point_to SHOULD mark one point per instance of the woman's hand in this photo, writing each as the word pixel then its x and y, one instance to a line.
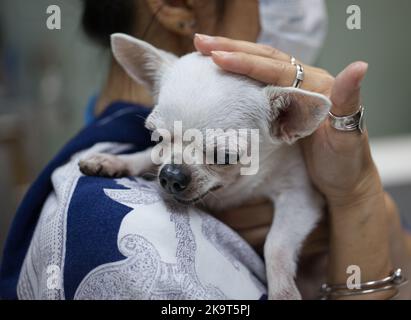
pixel 252 221
pixel 329 154
pixel 261 62
pixel 339 163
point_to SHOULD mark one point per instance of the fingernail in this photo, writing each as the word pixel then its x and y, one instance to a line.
pixel 362 67
pixel 204 37
pixel 221 54
pixel 361 64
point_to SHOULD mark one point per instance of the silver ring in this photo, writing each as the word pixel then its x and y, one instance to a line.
pixel 299 76
pixel 293 61
pixel 349 123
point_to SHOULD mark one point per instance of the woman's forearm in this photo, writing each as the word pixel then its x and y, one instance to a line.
pixel 360 236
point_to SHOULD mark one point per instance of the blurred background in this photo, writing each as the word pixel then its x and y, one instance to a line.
pixel 47 78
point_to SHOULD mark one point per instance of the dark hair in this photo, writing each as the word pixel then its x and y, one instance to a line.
pixel 101 18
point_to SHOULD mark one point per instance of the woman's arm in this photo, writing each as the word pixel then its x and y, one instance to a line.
pixel 369 235
pixel 359 236
pixel 361 230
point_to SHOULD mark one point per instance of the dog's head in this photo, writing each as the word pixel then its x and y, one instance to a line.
pixel 212 123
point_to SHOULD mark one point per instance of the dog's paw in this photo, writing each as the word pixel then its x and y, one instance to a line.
pixel 103 165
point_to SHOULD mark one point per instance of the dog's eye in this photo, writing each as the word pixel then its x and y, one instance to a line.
pixel 233 156
pixel 229 158
pixel 215 156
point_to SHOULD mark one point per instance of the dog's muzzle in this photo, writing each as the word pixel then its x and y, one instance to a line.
pixel 174 178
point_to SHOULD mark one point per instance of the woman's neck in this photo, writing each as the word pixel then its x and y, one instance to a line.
pixel 120 87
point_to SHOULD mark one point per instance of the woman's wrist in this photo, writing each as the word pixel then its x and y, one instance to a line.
pixel 359 234
pixel 362 194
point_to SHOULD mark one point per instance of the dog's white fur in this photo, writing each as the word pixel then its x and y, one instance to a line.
pixel 195 91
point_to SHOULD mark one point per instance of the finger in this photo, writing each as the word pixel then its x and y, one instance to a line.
pixel 262 69
pixel 248 217
pixel 206 44
pixel 271 71
pixel 345 94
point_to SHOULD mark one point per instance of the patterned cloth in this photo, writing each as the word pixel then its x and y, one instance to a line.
pixel 77 237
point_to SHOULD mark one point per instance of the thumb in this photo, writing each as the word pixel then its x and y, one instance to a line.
pixel 345 94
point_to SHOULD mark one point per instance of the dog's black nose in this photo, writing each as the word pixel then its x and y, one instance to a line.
pixel 174 178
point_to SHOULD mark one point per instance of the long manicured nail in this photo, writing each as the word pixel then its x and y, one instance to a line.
pixel 221 54
pixel 203 37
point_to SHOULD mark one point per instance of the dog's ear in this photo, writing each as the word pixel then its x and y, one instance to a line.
pixel 143 62
pixel 295 113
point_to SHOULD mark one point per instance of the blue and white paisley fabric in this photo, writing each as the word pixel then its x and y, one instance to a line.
pixel 156 252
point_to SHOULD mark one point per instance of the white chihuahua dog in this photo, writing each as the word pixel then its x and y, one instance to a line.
pixel 196 92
